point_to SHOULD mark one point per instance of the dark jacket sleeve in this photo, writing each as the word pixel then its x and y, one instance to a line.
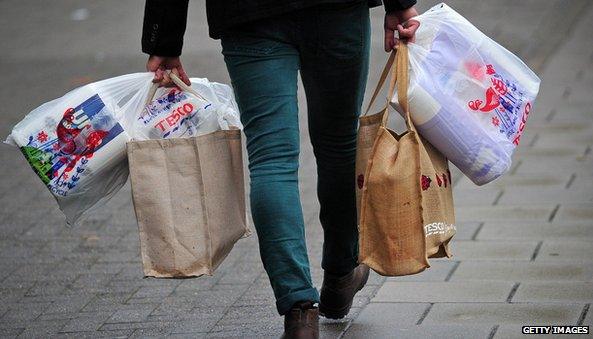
pixel 398 5
pixel 164 26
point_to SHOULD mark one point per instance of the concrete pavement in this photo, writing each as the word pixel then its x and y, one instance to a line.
pixel 522 255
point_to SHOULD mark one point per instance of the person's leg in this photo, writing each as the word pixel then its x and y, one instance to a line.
pixel 263 71
pixel 334 68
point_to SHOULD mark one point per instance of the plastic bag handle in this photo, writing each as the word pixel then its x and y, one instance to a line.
pixel 184 87
pixel 178 82
pixel 151 93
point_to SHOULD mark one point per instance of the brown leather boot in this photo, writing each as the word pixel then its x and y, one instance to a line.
pixel 338 292
pixel 302 321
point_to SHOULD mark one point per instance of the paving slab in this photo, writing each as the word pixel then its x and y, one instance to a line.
pixel 458 291
pixel 438 271
pixel 523 271
pixel 545 140
pixel 583 180
pixel 419 331
pixel 467 230
pixel 550 152
pixel 86 322
pixel 563 292
pixel 492 250
pixel 573 211
pixel 503 313
pixel 536 230
pixel 506 213
pixel 469 195
pixel 526 181
pixel 380 320
pixel 573 250
pixel 541 195
pixel 575 165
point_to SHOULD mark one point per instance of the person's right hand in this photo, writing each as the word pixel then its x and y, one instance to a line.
pixel 159 65
pixel 400 21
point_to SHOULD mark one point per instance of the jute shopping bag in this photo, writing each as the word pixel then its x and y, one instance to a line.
pixel 189 199
pixel 406 202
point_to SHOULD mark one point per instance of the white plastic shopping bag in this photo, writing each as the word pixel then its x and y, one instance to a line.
pixel 77 144
pixel 468 96
pixel 183 111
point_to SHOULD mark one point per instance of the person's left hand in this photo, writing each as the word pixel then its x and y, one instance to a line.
pixel 400 21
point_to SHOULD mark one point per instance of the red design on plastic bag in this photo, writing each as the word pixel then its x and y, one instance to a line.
pixel 492 101
pixel 439 181
pixel 499 86
pixel 476 70
pixel 495 121
pixel 42 136
pixel 522 125
pixel 360 181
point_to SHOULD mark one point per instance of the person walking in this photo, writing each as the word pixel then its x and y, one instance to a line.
pixel 265 44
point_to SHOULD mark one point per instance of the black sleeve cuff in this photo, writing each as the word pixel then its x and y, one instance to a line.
pixel 164 26
pixel 398 5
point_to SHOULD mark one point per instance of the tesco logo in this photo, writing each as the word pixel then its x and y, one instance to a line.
pixel 522 124
pixel 175 116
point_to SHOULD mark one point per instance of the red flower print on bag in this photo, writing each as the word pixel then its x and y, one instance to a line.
pixel 425 181
pixel 42 136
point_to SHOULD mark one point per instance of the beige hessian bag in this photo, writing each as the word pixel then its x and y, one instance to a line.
pixel 189 199
pixel 406 203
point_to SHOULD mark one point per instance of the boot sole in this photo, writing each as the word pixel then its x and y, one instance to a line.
pixel 334 314
pixel 330 313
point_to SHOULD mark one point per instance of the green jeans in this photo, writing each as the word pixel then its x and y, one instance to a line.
pixel 329 44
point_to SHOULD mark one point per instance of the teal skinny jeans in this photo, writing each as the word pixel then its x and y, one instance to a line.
pixel 329 44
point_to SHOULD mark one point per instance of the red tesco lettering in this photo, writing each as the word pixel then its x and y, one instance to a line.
pixel 522 124
pixel 175 116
